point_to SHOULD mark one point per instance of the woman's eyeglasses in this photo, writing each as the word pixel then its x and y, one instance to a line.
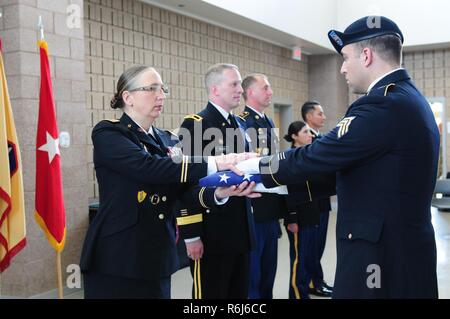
pixel 154 88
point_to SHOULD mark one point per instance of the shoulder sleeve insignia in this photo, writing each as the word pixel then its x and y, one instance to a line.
pixel 194 117
pixel 343 126
pixel 388 87
pixel 113 120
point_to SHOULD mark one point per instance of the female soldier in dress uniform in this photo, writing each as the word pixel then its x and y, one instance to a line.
pixel 129 250
pixel 302 219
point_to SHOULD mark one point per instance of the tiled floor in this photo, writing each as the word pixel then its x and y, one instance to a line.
pixel 182 282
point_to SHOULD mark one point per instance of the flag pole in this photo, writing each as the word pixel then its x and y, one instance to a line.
pixel 58 253
pixel 41 28
pixel 59 274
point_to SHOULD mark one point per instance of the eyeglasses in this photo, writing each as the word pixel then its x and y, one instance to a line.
pixel 154 88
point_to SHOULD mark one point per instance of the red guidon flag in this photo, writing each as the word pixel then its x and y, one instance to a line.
pixel 50 213
pixel 12 210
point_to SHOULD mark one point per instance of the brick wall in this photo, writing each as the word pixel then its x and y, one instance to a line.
pixel 430 71
pixel 122 33
pixel 33 270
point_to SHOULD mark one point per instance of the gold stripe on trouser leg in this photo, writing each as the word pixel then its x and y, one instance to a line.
pixel 199 281
pixel 294 268
pixel 182 170
pixel 195 280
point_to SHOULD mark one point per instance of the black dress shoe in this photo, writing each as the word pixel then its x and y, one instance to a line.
pixel 325 285
pixel 321 291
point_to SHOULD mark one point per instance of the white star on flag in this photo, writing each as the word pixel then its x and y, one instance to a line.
pixel 247 177
pixel 51 147
pixel 224 177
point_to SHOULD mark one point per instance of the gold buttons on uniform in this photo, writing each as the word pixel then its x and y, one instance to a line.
pixel 350 236
pixel 164 198
pixel 129 125
pixel 161 216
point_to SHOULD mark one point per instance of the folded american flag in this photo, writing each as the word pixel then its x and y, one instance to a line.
pixel 228 178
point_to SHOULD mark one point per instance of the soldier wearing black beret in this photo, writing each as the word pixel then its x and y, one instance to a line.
pixel 384 152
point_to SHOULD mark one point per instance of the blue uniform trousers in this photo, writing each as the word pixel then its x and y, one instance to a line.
pixel 263 260
pixel 319 246
pixel 302 261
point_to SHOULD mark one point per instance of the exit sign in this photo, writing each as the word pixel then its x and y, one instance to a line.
pixel 297 53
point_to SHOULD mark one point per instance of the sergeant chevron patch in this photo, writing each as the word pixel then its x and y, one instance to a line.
pixel 343 125
pixel 281 156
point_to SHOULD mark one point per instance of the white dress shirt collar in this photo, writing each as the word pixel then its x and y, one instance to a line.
pixel 150 130
pixel 259 113
pixel 380 78
pixel 224 113
pixel 316 133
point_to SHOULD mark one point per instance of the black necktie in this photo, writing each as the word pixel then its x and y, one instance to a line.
pixel 232 121
pixel 268 122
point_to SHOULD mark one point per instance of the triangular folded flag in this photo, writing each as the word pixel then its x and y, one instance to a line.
pixel 228 178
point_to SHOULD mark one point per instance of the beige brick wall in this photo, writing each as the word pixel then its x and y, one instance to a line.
pixel 328 86
pixel 430 71
pixel 33 270
pixel 121 33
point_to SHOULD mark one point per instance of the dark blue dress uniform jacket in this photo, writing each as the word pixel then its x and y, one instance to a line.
pixel 133 233
pixel 303 200
pixel 264 142
pixel 385 152
pixel 227 228
pixel 325 203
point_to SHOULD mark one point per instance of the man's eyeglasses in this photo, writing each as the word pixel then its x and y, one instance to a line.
pixel 154 88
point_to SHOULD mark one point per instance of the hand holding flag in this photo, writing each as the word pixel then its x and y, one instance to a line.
pixel 229 178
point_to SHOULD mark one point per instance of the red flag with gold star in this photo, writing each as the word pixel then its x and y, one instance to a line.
pixel 50 213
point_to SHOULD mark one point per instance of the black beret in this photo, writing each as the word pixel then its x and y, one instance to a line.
pixel 363 29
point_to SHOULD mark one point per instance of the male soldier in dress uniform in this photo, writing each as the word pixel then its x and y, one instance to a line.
pixel 385 153
pixel 218 239
pixel 269 207
pixel 313 115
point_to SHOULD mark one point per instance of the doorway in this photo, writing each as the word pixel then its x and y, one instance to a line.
pixel 282 117
pixel 438 107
